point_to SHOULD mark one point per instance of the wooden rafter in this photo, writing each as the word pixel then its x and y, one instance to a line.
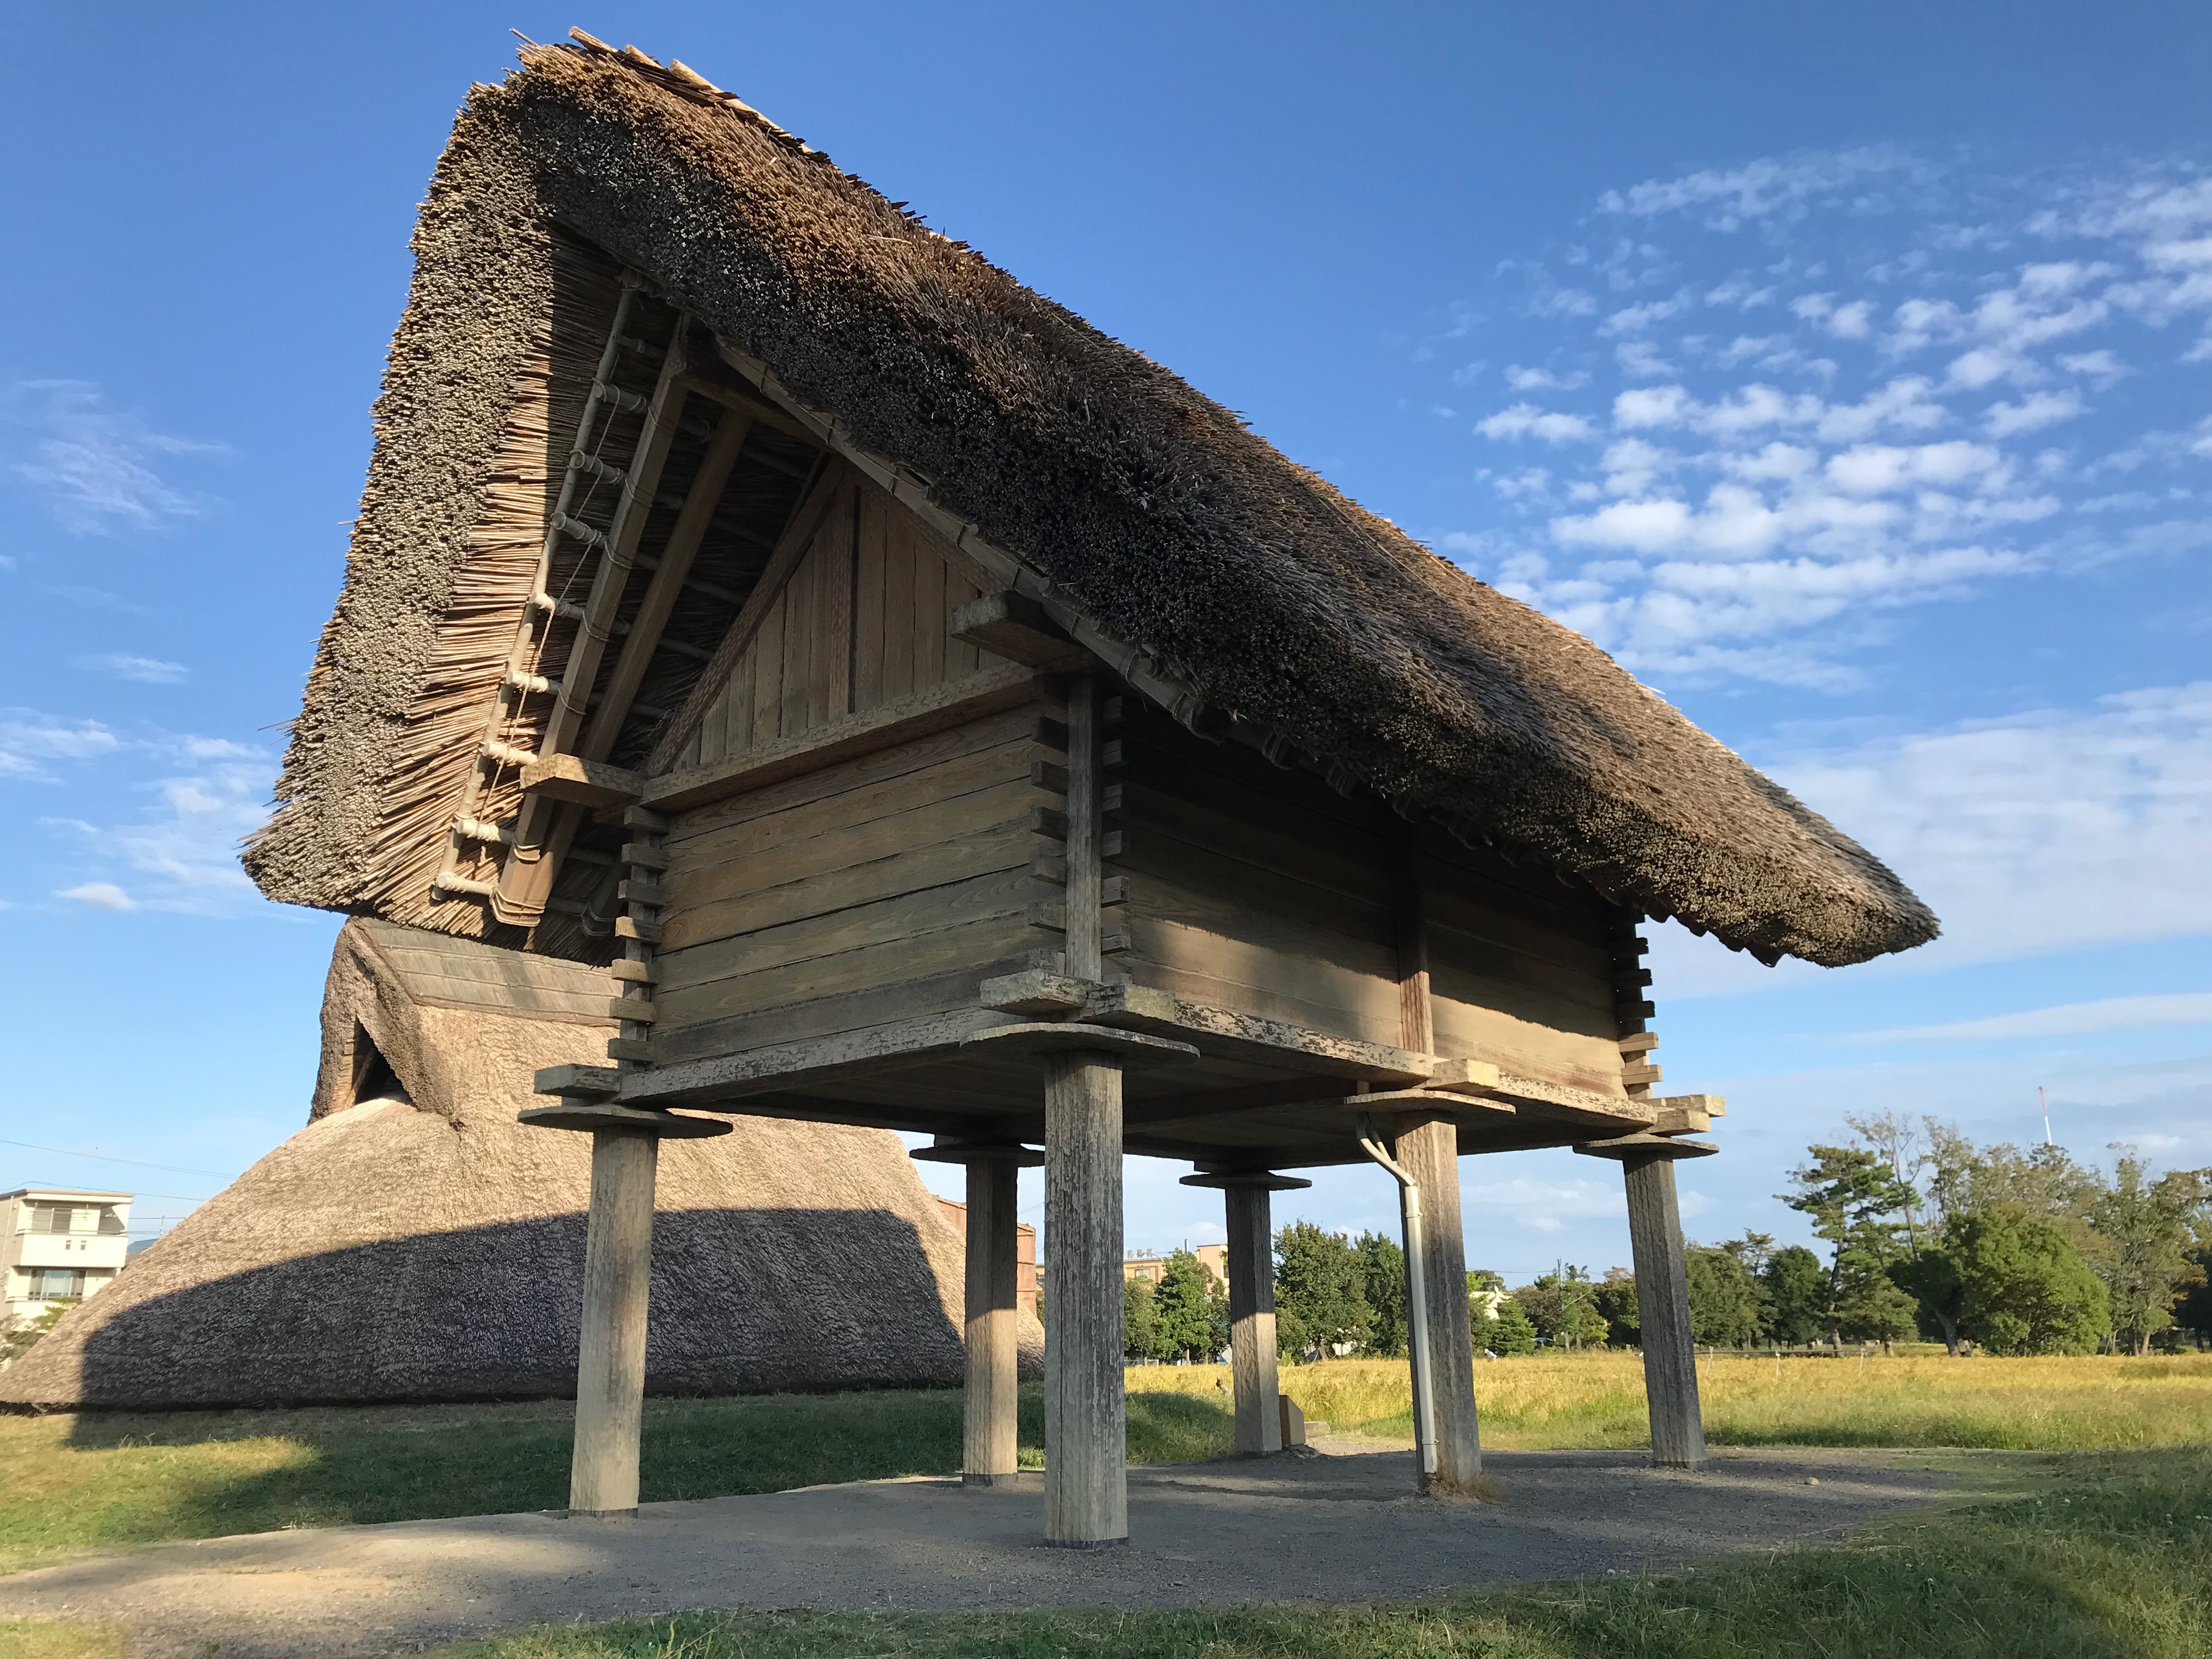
pixel 545 827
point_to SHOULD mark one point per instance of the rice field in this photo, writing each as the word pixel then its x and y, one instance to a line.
pixel 1596 1399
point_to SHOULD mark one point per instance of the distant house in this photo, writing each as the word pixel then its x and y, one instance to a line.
pixel 57 1244
pixel 1026 1266
pixel 1150 1264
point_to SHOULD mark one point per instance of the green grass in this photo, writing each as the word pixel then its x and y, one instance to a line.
pixel 2109 1557
pixel 51 1638
pixel 113 1480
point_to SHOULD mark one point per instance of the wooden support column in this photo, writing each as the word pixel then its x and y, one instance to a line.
pixel 1662 1291
pixel 989 1433
pixel 989 1422
pixel 618 1276
pixel 1662 1305
pixel 1245 1196
pixel 1086 1480
pixel 1430 1152
pixel 611 1368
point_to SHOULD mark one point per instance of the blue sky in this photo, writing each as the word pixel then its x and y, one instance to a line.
pixel 1845 373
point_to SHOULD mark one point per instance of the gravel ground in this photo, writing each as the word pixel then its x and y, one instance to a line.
pixel 1332 1528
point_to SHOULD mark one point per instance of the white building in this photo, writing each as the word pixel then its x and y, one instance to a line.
pixel 56 1243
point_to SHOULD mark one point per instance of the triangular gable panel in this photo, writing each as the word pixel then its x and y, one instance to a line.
pixel 864 619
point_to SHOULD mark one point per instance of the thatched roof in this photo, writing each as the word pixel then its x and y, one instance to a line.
pixel 1269 604
pixel 421 1244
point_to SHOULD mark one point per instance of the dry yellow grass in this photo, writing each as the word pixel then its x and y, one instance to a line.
pixel 1597 1400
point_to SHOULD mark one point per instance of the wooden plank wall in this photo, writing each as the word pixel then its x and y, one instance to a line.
pixel 1261 888
pixel 884 887
pixel 861 622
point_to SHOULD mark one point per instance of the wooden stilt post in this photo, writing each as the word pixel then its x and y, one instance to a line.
pixel 1086 1430
pixel 610 1369
pixel 989 1429
pixel 1662 1305
pixel 1663 1289
pixel 1430 1152
pixel 1086 1480
pixel 989 1421
pixel 1252 1302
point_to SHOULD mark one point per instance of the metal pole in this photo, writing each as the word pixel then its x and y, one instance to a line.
pixel 1417 1323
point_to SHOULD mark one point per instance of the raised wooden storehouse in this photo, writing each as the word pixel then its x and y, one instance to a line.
pixel 939 716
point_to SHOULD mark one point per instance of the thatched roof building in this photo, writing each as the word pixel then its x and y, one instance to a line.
pixel 1226 583
pixel 414 1241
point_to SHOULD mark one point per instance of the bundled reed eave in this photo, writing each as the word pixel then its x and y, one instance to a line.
pixel 1287 611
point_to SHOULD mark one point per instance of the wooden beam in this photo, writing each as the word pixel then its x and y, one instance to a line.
pixel 667 586
pixel 790 548
pixel 736 395
pixel 1231 1035
pixel 590 783
pixel 938 709
pixel 544 827
pixel 1015 627
pixel 793 1066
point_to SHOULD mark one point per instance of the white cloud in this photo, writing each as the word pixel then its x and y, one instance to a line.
pixel 2032 413
pixel 1633 320
pixel 101 895
pixel 1782 187
pixel 1545 1205
pixel 27 740
pixel 2069 1019
pixel 1527 421
pixel 148 670
pixel 2102 365
pixel 1544 379
pixel 95 465
pixel 1640 360
pixel 2045 831
pixel 1877 469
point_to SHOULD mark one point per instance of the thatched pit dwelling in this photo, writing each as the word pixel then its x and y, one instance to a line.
pixel 415 1243
pixel 932 714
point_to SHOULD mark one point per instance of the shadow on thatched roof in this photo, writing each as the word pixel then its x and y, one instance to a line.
pixel 423 1245
pixel 1278 608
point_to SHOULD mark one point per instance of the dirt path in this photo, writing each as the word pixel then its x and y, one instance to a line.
pixel 1333 1528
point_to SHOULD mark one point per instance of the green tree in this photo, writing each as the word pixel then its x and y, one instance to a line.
pixel 1850 1196
pixel 1930 1277
pixel 2142 1232
pixel 2192 1312
pixel 2024 1287
pixel 1563 1307
pixel 1140 1329
pixel 2043 1180
pixel 1382 1282
pixel 16 1338
pixel 1725 1304
pixel 1797 1287
pixel 1614 1297
pixel 1182 1311
pixel 1320 1290
pixel 1508 1331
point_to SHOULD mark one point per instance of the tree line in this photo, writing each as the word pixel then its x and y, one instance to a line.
pixel 1925 1233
